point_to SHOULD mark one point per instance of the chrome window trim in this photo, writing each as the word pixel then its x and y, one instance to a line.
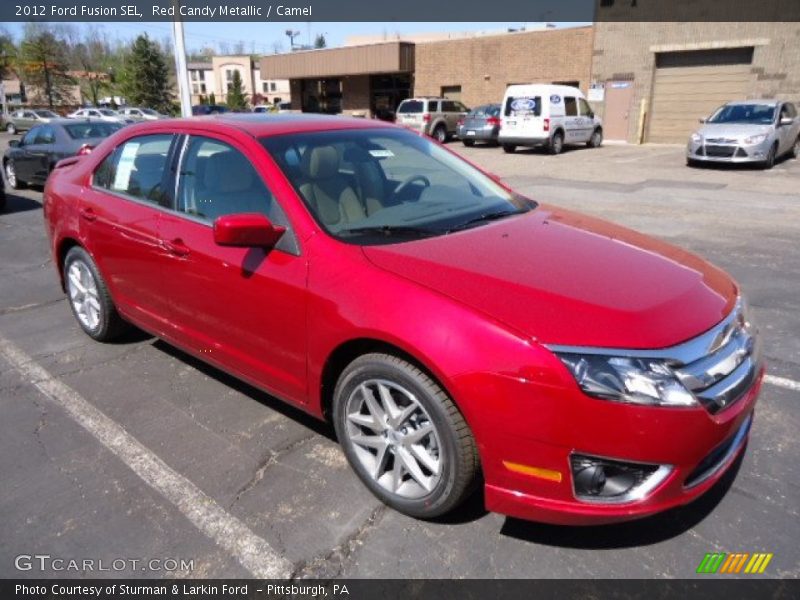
pixel 680 354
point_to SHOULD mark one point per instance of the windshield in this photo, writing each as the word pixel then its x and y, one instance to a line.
pixel 490 110
pixel 149 111
pixel 410 106
pixel 374 186
pixel 757 114
pixel 83 131
pixel 46 114
pixel 108 112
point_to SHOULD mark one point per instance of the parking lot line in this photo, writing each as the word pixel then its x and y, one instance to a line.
pixel 252 552
pixel 789 384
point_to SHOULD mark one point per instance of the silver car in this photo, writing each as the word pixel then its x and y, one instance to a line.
pixel 436 117
pixel 750 131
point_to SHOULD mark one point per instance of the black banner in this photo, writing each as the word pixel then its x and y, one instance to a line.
pixel 405 10
pixel 360 589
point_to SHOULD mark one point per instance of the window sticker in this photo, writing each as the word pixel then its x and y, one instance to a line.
pixel 525 106
pixel 381 153
pixel 125 166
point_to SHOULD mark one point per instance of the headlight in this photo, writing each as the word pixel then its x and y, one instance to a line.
pixel 697 138
pixel 755 139
pixel 625 379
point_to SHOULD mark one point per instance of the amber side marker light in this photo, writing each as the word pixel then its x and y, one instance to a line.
pixel 539 472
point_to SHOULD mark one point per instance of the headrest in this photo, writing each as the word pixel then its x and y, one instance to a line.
pixel 320 162
pixel 228 171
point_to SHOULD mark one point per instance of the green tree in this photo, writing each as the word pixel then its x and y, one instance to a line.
pixel 212 99
pixel 44 65
pixel 95 58
pixel 236 98
pixel 320 41
pixel 145 76
pixel 8 54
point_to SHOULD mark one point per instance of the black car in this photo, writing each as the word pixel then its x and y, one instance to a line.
pixel 31 159
pixel 209 109
pixel 2 195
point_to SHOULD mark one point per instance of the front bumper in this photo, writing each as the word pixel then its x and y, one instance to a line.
pixel 729 151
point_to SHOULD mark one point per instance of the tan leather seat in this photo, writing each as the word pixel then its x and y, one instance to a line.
pixel 326 190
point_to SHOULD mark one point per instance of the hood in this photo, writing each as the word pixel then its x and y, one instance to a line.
pixel 565 278
pixel 732 130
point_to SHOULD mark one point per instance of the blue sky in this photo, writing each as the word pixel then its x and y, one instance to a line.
pixel 261 37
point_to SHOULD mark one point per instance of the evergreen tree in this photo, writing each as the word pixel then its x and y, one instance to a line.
pixel 146 76
pixel 212 99
pixel 236 99
pixel 44 66
pixel 320 41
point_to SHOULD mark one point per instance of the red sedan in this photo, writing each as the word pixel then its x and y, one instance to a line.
pixel 446 325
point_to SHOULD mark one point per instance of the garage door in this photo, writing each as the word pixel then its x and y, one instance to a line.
pixel 690 85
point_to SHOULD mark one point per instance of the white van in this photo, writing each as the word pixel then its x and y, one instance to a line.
pixel 547 115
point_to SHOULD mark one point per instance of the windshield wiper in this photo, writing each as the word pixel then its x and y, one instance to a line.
pixel 485 217
pixel 389 230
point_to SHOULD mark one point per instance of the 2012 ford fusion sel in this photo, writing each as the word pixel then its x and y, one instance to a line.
pixel 453 331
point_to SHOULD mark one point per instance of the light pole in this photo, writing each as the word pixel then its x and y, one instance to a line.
pixel 181 74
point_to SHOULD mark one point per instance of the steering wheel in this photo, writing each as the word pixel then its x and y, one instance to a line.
pixel 408 181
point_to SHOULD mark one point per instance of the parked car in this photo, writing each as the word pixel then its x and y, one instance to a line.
pixel 209 109
pixel 31 159
pixel 100 114
pixel 445 324
pixel 550 116
pixel 265 108
pixel 437 117
pixel 141 114
pixel 481 124
pixel 22 120
pixel 2 195
pixel 748 131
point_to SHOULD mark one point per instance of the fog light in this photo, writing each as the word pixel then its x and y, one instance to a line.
pixel 603 480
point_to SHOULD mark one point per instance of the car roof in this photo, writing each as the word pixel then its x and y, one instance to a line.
pixel 765 102
pixel 265 124
pixel 542 88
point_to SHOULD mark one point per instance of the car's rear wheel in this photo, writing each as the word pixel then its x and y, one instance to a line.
pixel 796 148
pixel 509 148
pixel 11 176
pixel 597 139
pixel 11 129
pixel 440 134
pixel 771 155
pixel 556 143
pixel 89 298
pixel 468 143
pixel 404 436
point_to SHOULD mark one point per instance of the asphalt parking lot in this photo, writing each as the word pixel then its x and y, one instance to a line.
pixel 152 455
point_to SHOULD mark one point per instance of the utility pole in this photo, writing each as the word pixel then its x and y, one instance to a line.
pixel 181 74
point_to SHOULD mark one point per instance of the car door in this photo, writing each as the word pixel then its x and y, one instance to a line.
pixel 40 153
pixel 241 308
pixel 787 134
pixel 572 120
pixel 120 212
pixel 25 155
pixel 586 122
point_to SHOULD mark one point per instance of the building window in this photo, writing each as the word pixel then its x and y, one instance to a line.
pixel 197 78
pixel 264 87
pixel 272 86
pixel 451 92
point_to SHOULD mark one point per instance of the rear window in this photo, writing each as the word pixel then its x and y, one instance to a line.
pixel 83 131
pixel 523 106
pixel 410 106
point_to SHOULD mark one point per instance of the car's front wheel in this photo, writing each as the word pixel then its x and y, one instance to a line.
pixel 404 436
pixel 771 156
pixel 89 298
pixel 11 176
pixel 796 148
pixel 597 139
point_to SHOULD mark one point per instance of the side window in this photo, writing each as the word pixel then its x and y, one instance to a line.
pixel 136 168
pixel 460 107
pixel 216 179
pixel 433 106
pixel 46 135
pixel 788 111
pixel 570 106
pixel 449 106
pixel 29 115
pixel 30 137
pixel 586 110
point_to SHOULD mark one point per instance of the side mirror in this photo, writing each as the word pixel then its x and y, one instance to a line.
pixel 13 143
pixel 786 121
pixel 248 230
pixel 702 120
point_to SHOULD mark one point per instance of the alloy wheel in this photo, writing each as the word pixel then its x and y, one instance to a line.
pixel 394 438
pixel 558 144
pixel 11 129
pixel 83 295
pixel 11 174
pixel 441 135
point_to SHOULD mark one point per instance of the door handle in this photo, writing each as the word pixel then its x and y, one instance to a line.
pixel 87 214
pixel 176 247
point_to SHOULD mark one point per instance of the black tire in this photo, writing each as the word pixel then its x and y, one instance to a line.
pixel 556 145
pixel 468 143
pixel 440 134
pixel 110 325
pixel 458 454
pixel 509 148
pixel 11 176
pixel 771 156
pixel 597 138
pixel 2 200
pixel 690 162
pixel 10 128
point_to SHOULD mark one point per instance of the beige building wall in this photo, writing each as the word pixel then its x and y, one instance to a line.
pixel 627 51
pixel 484 66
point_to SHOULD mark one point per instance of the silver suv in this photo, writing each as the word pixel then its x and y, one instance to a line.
pixel 437 117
